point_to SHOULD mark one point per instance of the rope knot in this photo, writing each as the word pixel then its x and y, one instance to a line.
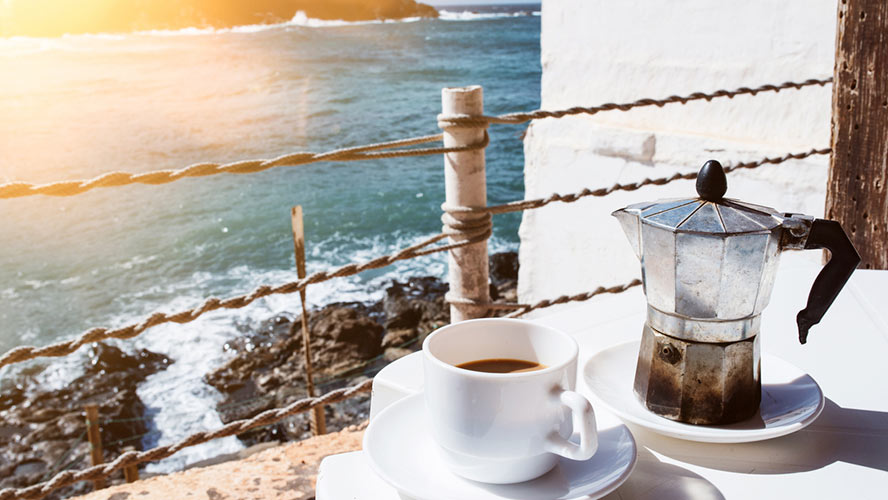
pixel 462 121
pixel 471 223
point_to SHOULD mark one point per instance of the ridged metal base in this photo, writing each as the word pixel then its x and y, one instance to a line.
pixel 698 382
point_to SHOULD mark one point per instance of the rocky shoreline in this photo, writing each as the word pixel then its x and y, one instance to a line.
pixel 349 342
pixel 42 431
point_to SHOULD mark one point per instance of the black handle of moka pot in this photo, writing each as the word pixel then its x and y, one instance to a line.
pixel 832 278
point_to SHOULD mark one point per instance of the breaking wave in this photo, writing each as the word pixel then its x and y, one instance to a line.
pixel 468 15
pixel 300 20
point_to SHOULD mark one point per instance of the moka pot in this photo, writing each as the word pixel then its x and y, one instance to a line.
pixel 708 266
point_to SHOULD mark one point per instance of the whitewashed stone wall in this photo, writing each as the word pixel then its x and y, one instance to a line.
pixel 596 51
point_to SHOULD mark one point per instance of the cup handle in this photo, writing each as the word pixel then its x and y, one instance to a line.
pixel 584 415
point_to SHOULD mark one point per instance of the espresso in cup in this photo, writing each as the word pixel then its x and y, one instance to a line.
pixel 501 365
pixel 511 419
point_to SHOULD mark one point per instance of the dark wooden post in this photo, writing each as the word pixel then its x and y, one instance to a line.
pixel 856 193
pixel 95 441
pixel 316 417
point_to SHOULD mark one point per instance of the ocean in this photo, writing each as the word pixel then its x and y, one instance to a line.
pixel 75 107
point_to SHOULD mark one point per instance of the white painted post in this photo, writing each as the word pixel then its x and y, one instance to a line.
pixel 465 183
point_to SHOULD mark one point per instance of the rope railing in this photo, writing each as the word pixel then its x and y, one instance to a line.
pixel 461 233
pixel 25 353
pixel 372 151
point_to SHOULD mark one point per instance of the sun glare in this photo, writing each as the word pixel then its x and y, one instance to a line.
pixel 52 17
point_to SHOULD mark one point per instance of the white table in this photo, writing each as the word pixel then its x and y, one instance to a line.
pixel 843 454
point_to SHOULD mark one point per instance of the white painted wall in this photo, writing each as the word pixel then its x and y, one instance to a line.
pixel 596 51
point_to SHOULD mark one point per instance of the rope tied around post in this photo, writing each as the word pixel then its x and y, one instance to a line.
pixel 465 185
pixel 466 228
pixel 473 228
pixel 464 223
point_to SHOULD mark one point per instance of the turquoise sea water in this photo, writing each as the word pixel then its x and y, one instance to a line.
pixel 78 106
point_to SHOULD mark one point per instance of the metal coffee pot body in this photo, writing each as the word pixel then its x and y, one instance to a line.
pixel 708 266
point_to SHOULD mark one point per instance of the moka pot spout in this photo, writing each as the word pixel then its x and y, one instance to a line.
pixel 630 220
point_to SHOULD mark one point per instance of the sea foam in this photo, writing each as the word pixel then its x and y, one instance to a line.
pixel 468 15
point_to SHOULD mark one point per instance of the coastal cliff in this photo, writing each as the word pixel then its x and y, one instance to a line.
pixel 55 18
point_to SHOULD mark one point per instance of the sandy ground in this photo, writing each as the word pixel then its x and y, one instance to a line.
pixel 288 471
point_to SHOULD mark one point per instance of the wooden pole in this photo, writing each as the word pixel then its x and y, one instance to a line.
pixel 95 441
pixel 316 415
pixel 856 189
pixel 131 473
pixel 465 184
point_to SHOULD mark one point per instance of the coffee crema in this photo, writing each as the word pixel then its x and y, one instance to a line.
pixel 501 365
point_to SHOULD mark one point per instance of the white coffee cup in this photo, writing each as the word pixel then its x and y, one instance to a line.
pixel 505 427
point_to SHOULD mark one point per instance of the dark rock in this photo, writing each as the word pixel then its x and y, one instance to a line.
pixel 105 358
pixel 349 332
pixel 12 397
pixel 43 432
pixel 400 310
pixel 493 291
pixel 267 370
pixel 504 268
pixel 504 277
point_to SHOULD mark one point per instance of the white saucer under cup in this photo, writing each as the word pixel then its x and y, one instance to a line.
pixel 401 451
pixel 791 400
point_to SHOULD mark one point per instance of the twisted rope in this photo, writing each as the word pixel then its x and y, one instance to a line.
pixel 516 118
pixel 466 301
pixel 24 353
pixel 114 179
pixel 522 309
pixel 574 298
pixel 132 458
pixel 517 206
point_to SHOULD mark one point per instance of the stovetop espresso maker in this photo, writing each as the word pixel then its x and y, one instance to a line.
pixel 708 266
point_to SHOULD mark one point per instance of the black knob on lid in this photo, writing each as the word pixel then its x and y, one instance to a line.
pixel 711 181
